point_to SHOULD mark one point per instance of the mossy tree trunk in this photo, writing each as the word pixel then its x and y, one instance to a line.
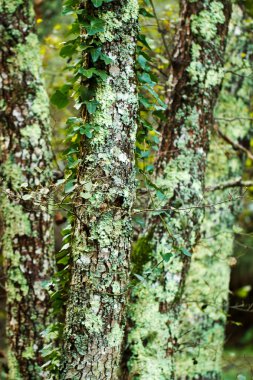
pixel 197 70
pixel 102 231
pixel 205 300
pixel 25 167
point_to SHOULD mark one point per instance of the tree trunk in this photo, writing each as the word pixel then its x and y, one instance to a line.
pixel 25 167
pixel 205 301
pixel 197 70
pixel 102 231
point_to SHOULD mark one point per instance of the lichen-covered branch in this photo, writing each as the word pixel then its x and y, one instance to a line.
pixel 103 201
pixel 197 71
pixel 205 301
pixel 25 169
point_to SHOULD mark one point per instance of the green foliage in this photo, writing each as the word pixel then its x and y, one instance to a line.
pixel 60 99
pixel 98 3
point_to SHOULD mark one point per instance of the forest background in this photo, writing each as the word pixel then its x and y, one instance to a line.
pixel 159 21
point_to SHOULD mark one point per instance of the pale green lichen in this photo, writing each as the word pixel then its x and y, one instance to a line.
pixel 116 335
pixel 32 133
pixel 130 12
pixel 10 6
pixel 207 20
pixel 28 56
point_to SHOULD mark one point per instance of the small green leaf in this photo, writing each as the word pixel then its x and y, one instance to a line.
pixel 88 73
pixel 155 95
pixel 145 78
pixel 95 26
pixel 144 101
pixel 97 3
pixel 88 134
pixel 107 60
pixel 59 99
pixel 150 168
pixel 160 195
pixel 166 256
pixel 145 154
pixel 69 187
pixel 143 62
pixel 68 50
pixel 64 260
pixel 145 13
pixel 140 278
pixel 64 247
pixel 185 252
pixel 95 53
pixel 73 120
pixel 91 106
pixel 102 74
pixel 142 39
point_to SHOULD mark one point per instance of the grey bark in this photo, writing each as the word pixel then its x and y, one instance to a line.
pixel 25 169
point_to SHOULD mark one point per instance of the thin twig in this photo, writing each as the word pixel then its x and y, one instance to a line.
pixel 235 144
pixel 160 29
pixel 229 184
pixel 190 207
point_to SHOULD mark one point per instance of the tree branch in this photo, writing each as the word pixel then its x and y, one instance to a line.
pixel 235 144
pixel 230 184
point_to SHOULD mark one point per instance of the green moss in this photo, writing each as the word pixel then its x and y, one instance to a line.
pixel 141 253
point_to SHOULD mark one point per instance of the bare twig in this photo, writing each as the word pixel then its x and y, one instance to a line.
pixel 229 184
pixel 160 30
pixel 235 144
pixel 205 205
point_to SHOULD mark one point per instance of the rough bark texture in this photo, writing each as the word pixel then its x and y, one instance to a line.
pixel 205 300
pixel 25 170
pixel 102 231
pixel 197 70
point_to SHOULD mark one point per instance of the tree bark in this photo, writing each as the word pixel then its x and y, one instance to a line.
pixel 103 229
pixel 25 167
pixel 205 300
pixel 197 70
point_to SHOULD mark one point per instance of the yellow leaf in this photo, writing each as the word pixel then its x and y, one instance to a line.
pixel 74 138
